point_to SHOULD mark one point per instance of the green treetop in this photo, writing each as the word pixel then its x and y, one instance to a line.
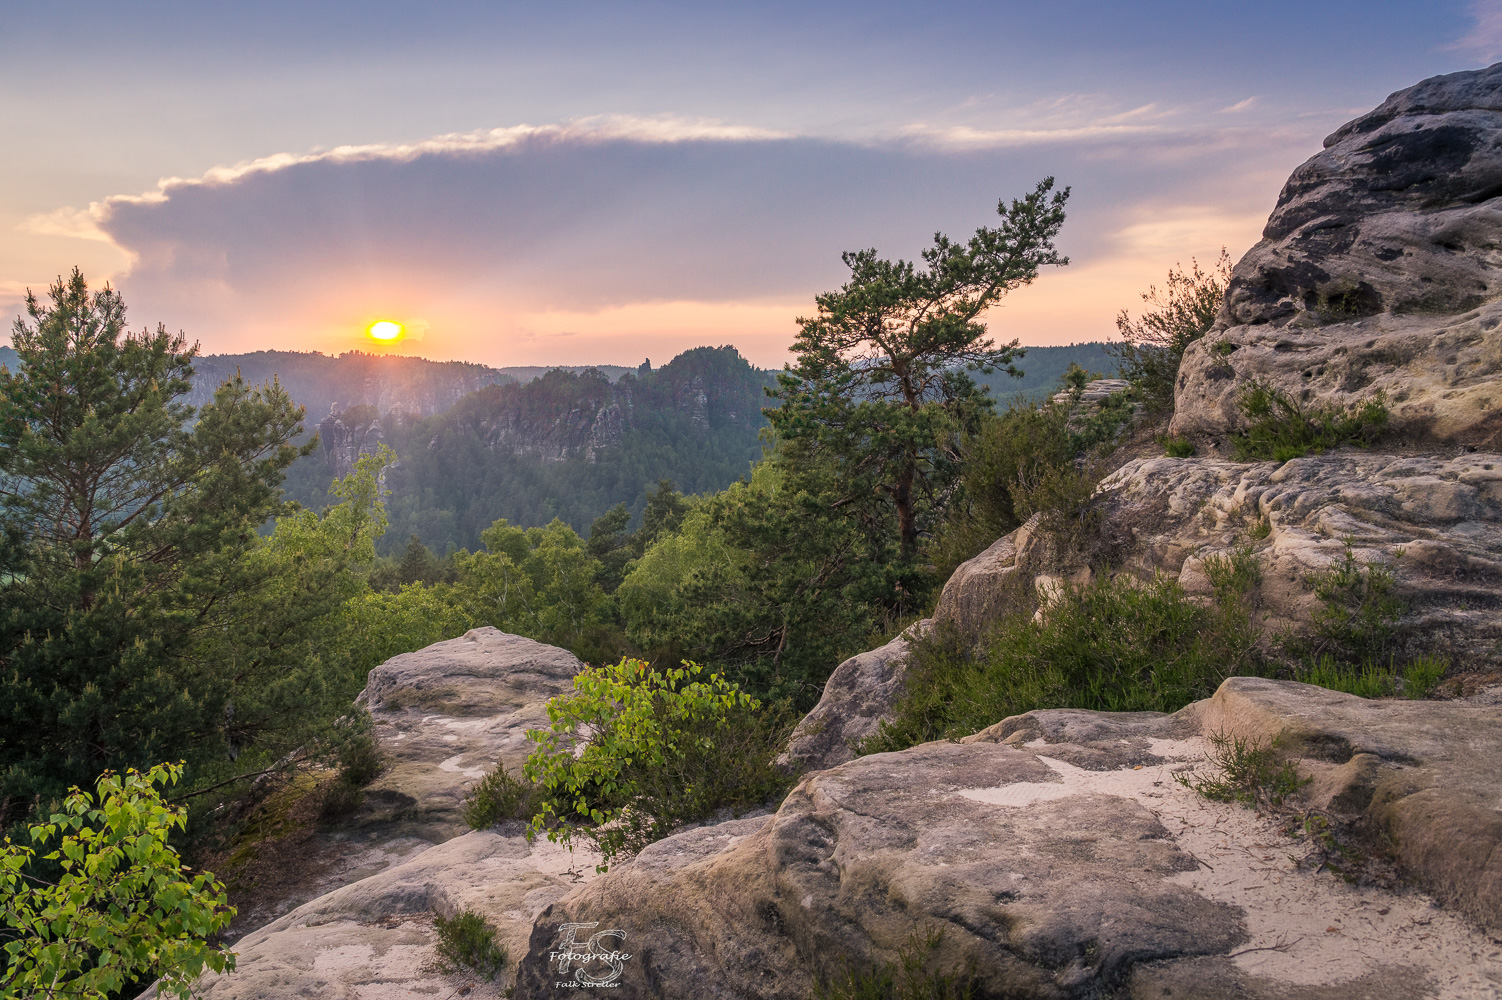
pixel 881 377
pixel 128 528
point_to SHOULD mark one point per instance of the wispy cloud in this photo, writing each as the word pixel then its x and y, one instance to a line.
pixel 1239 106
pixel 1484 40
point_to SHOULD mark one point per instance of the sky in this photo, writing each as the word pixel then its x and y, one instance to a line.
pixel 595 183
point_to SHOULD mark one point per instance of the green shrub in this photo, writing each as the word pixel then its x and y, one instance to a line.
pixel 663 748
pixel 1181 312
pixel 359 757
pixel 1358 614
pixel 1065 498
pixel 499 797
pixel 1017 446
pixel 1282 428
pixel 912 977
pixel 467 940
pixel 1112 645
pixel 1176 446
pixel 1249 772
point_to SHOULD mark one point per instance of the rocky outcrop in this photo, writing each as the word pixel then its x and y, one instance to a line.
pixel 1377 273
pixel 1056 856
pixel 376 937
pixel 858 695
pixel 443 716
pixel 449 713
pixel 345 435
pixel 1434 522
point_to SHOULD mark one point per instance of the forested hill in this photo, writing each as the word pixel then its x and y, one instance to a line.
pixel 476 443
pixel 568 445
pixel 1043 367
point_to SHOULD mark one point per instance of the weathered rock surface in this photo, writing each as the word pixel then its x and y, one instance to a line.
pixel 444 716
pixel 1435 521
pixel 1059 858
pixel 447 714
pixel 1377 272
pixel 858 695
pixel 376 938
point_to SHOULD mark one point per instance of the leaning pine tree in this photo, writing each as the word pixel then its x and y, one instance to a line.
pixel 881 388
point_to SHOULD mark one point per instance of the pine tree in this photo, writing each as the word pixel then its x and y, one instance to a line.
pixel 881 379
pixel 128 520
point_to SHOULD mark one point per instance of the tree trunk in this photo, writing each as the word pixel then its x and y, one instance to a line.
pixel 907 522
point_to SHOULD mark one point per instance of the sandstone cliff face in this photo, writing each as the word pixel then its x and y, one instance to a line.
pixel 1377 272
pixel 346 435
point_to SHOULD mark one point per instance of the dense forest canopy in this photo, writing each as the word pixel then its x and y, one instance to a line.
pixel 566 445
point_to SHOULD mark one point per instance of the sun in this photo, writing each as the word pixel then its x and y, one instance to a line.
pixel 385 331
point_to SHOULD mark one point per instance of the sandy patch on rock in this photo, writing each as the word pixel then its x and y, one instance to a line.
pixel 1307 927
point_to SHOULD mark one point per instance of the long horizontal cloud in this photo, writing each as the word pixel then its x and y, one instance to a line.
pixel 474 234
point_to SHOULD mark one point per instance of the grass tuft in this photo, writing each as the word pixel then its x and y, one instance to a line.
pixel 499 797
pixel 1250 772
pixel 912 977
pixel 1176 445
pixel 467 940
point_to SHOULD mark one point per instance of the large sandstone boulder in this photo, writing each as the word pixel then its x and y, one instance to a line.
pixel 1058 857
pixel 857 697
pixel 1434 521
pixel 444 716
pixel 447 714
pixel 1377 272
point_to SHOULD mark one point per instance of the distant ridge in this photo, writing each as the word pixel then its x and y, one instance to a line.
pixel 419 387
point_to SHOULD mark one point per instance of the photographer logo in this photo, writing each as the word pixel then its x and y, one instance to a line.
pixel 589 963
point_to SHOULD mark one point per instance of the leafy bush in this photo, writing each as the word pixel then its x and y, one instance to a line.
pixel 123 908
pixel 498 797
pixel 358 755
pixel 1025 444
pixel 1249 772
pixel 912 977
pixel 1111 645
pixel 467 940
pixel 635 752
pixel 1181 313
pixel 1282 428
pixel 339 799
pixel 1066 500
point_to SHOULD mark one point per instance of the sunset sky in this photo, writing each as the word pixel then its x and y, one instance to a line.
pixel 600 182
